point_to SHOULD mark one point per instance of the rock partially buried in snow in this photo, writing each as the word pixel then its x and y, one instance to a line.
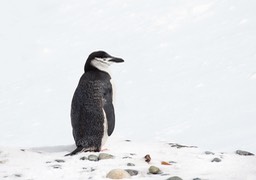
pixel 118 174
pixel 93 158
pixel 174 178
pixel 132 172
pixel 154 170
pixel 130 164
pixel 209 153
pixel 216 160
pixel 105 156
pixel 244 153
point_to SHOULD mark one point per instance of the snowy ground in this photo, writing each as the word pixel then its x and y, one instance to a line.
pixel 189 76
pixel 187 163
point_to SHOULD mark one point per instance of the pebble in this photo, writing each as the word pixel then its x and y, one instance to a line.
pixel 118 174
pixel 18 175
pixel 216 160
pixel 105 156
pixel 174 178
pixel 197 179
pixel 178 146
pixel 132 172
pixel 130 164
pixel 209 153
pixel 154 170
pixel 93 158
pixel 59 160
pixel 83 158
pixel 244 153
pixel 56 166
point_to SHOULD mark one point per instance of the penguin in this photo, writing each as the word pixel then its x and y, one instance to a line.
pixel 92 110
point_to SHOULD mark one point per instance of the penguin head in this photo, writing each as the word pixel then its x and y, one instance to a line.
pixel 101 61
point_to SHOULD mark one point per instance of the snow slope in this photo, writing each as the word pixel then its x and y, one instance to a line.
pixel 189 74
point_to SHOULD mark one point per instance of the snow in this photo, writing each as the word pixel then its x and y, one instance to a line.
pixel 188 163
pixel 188 77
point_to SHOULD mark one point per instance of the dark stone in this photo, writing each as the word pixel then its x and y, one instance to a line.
pixel 83 158
pixel 209 153
pixel 18 175
pixel 56 166
pixel 132 172
pixel 244 153
pixel 197 179
pixel 59 160
pixel 130 164
pixel 216 160
pixel 174 178
pixel 172 162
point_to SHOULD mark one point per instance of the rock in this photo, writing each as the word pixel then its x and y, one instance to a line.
pixel 165 163
pixel 172 162
pixel 147 158
pixel 154 170
pixel 127 157
pixel 118 174
pixel 209 153
pixel 59 160
pixel 83 158
pixel 216 160
pixel 197 179
pixel 56 166
pixel 105 156
pixel 244 153
pixel 181 146
pixel 93 158
pixel 130 164
pixel 132 172
pixel 18 175
pixel 174 178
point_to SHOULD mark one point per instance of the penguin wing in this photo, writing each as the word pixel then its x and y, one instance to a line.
pixel 109 109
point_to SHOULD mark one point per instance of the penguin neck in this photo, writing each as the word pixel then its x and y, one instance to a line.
pixel 102 67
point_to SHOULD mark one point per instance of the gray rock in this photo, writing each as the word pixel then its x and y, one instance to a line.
pixel 18 175
pixel 154 170
pixel 178 146
pixel 197 179
pixel 174 178
pixel 130 164
pixel 244 153
pixel 59 160
pixel 118 174
pixel 105 156
pixel 209 153
pixel 172 162
pixel 93 158
pixel 56 166
pixel 83 158
pixel 216 160
pixel 132 172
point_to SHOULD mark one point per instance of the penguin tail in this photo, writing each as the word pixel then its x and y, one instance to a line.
pixel 77 150
pixel 82 149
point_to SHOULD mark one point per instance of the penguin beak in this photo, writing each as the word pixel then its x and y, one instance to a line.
pixel 116 60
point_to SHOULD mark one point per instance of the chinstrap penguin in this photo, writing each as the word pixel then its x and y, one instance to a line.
pixel 92 111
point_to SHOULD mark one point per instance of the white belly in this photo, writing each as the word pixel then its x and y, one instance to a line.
pixel 105 133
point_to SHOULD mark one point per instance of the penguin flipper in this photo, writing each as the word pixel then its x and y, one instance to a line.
pixel 109 110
